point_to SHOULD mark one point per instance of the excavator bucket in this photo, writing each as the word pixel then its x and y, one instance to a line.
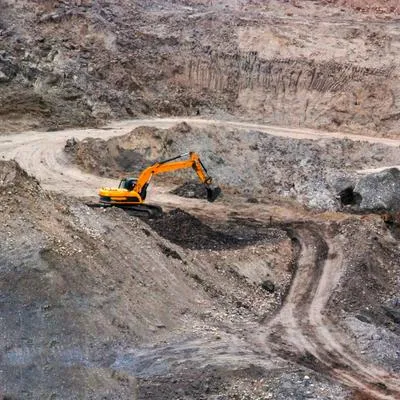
pixel 213 193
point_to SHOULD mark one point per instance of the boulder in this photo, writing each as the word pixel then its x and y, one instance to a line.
pixel 3 77
pixel 380 190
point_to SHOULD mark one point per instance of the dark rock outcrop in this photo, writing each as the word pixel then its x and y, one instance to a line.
pixel 380 191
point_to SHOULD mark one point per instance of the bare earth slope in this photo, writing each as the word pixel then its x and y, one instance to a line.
pixel 297 63
pixel 380 7
pixel 82 291
pixel 216 300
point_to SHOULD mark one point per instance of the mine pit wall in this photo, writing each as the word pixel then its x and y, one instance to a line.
pixel 299 92
pixel 329 72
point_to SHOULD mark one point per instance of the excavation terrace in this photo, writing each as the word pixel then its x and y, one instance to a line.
pixel 283 284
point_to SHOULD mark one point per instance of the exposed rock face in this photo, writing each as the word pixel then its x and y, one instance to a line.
pixel 384 7
pixel 380 191
pixel 80 63
pixel 253 163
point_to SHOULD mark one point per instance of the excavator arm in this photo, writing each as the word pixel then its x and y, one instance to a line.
pixel 172 165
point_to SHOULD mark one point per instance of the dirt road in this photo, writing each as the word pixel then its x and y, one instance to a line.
pixel 300 331
pixel 42 155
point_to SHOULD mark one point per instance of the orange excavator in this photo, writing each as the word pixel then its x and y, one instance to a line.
pixel 131 192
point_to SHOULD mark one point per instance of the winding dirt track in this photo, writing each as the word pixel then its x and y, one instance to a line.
pixel 41 154
pixel 299 331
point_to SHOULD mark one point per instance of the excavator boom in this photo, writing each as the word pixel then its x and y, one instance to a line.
pixel 172 165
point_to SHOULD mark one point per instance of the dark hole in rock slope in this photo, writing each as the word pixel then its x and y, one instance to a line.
pixel 268 285
pixel 349 197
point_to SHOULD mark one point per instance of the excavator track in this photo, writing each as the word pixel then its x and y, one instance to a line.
pixel 137 210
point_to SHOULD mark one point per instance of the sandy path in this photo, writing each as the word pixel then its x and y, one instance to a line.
pixel 301 329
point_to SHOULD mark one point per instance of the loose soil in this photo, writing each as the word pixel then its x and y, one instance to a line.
pixel 274 291
pixel 191 190
pixel 180 306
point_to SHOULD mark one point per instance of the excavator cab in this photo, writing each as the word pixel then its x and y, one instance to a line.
pixel 130 183
pixel 127 183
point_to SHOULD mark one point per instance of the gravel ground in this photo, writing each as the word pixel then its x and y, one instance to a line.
pixel 254 164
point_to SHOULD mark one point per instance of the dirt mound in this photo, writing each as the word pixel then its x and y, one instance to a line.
pixel 106 158
pixel 16 186
pixel 127 154
pixel 11 174
pixel 191 190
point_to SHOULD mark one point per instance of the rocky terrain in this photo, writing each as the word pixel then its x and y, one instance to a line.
pixel 74 63
pixel 287 286
pixel 252 163
pixel 84 310
pixel 74 304
pixel 376 7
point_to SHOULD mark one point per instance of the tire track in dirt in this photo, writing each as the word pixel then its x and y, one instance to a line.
pixel 302 331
